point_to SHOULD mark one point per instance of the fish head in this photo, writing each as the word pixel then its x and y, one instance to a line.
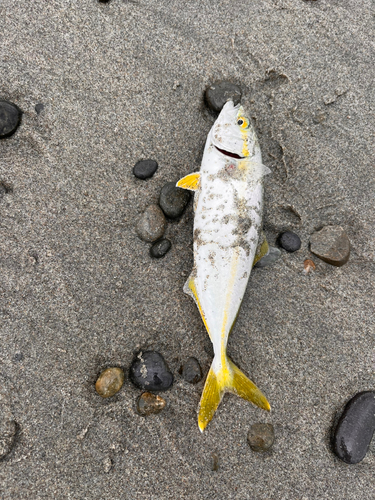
pixel 232 133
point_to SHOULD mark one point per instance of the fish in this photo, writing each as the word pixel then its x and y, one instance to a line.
pixel 228 242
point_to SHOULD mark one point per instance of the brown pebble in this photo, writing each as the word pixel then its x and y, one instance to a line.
pixel 148 403
pixel 331 244
pixel 308 266
pixel 109 382
pixel 152 224
pixel 261 437
pixel 215 461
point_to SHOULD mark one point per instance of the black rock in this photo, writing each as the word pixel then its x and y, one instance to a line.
pixel 10 118
pixel 219 93
pixel 289 241
pixel 191 371
pixel 160 248
pixel 354 431
pixel 149 371
pixel 39 108
pixel 173 200
pixel 145 169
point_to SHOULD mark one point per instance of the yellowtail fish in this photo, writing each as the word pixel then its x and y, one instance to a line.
pixel 228 206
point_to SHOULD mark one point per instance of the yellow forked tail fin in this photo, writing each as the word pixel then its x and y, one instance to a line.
pixel 228 379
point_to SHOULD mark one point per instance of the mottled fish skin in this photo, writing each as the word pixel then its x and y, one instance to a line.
pixel 228 208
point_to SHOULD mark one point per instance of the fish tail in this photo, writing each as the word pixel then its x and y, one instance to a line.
pixel 228 379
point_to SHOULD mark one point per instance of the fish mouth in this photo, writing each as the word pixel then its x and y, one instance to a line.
pixel 229 153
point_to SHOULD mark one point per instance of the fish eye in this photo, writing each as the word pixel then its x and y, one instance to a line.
pixel 242 122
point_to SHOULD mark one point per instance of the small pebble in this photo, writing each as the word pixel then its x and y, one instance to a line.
pixel 148 403
pixel 8 429
pixel 149 371
pixel 10 118
pixel 191 371
pixel 173 200
pixel 109 382
pixel 308 266
pixel 219 93
pixel 215 461
pixel 39 108
pixel 145 169
pixel 18 357
pixel 289 241
pixel 8 426
pixel 107 464
pixel 160 248
pixel 332 245
pixel 272 256
pixel 354 431
pixel 152 224
pixel 261 437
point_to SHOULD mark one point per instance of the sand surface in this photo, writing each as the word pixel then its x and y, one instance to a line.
pixel 124 81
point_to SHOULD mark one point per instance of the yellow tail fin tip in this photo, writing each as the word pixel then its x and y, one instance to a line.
pixel 229 379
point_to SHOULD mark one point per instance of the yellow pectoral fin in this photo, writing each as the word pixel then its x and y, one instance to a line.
pixel 190 182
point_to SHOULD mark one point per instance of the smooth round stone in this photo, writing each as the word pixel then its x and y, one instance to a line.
pixel 219 93
pixel 354 431
pixel 109 382
pixel 148 404
pixel 289 241
pixel 10 118
pixel 270 258
pixel 191 371
pixel 152 224
pixel 145 169
pixel 173 200
pixel 39 108
pixel 332 245
pixel 149 371
pixel 261 437
pixel 160 248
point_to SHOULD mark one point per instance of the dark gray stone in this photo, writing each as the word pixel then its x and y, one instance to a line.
pixel 272 256
pixel 289 241
pixel 152 224
pixel 354 431
pixel 149 403
pixel 160 248
pixel 261 437
pixel 145 169
pixel 149 371
pixel 10 118
pixel 219 93
pixel 332 245
pixel 173 200
pixel 191 371
pixel 39 108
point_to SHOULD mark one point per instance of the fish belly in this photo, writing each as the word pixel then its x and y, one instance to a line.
pixel 226 232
